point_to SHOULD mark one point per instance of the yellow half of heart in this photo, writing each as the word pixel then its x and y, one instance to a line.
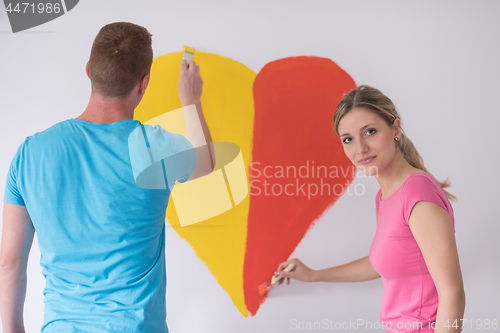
pixel 215 193
pixel 228 106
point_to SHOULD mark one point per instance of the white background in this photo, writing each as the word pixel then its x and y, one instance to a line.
pixel 437 60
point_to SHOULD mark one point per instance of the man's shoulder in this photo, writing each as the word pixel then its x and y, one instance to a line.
pixel 160 134
pixel 56 128
pixel 55 131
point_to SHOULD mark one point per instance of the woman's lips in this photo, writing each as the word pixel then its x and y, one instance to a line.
pixel 366 160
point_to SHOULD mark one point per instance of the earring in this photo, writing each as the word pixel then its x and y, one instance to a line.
pixel 396 139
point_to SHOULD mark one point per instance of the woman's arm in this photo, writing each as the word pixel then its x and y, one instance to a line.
pixel 355 271
pixel 432 228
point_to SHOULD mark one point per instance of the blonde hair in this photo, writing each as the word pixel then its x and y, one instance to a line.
pixel 374 100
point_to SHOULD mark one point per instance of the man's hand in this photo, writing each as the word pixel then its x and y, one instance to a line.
pixel 190 83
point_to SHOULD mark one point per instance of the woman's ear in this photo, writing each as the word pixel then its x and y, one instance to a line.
pixel 397 128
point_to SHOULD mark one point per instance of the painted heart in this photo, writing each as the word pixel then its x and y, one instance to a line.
pixel 282 121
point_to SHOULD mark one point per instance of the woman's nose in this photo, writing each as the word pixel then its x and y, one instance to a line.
pixel 362 147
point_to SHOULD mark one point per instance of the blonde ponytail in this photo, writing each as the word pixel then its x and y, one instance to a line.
pixel 412 156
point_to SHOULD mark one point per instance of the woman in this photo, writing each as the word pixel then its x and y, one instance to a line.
pixel 414 249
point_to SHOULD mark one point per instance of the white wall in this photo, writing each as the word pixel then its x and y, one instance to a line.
pixel 437 60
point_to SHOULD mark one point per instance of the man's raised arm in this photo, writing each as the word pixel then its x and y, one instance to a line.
pixel 197 132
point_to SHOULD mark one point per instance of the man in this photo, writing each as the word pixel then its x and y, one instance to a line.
pixel 101 236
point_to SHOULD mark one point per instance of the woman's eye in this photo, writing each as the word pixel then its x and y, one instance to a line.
pixel 370 131
pixel 347 140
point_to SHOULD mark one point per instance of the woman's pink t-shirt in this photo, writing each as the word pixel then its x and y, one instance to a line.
pixel 410 298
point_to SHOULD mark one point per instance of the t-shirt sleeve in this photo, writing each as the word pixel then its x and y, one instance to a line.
pixel 421 188
pixel 160 158
pixel 187 157
pixel 377 200
pixel 12 192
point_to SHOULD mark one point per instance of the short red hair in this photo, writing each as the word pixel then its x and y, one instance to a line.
pixel 120 57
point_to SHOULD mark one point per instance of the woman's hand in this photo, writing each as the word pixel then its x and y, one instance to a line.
pixel 300 272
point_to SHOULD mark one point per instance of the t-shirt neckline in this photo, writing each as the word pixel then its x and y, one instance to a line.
pixel 116 123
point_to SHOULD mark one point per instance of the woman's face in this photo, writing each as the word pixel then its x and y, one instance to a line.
pixel 367 140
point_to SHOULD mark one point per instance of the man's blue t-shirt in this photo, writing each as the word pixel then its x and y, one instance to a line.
pixel 101 236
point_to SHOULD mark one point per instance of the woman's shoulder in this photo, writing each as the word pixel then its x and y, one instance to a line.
pixel 420 181
pixel 423 186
